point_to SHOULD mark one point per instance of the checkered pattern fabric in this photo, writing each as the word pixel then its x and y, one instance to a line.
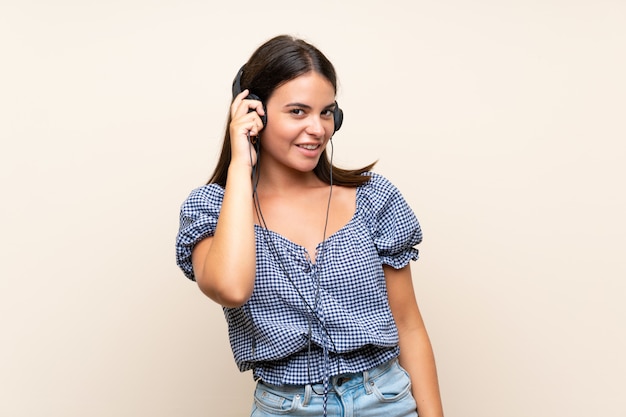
pixel 299 309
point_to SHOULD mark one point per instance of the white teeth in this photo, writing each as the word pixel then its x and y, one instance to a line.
pixel 309 147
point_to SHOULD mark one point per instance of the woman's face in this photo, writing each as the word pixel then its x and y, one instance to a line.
pixel 299 122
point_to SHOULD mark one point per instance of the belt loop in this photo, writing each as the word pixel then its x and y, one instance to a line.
pixel 307 395
pixel 366 382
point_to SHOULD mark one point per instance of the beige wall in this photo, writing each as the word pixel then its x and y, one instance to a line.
pixel 502 122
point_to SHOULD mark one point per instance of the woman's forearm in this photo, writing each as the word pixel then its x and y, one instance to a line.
pixel 226 264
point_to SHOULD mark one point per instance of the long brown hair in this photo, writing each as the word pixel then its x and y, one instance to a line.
pixel 277 61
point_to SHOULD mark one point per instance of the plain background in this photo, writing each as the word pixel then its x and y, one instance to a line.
pixel 502 122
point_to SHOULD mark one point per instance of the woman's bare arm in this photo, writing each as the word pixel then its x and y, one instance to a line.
pixel 416 354
pixel 225 264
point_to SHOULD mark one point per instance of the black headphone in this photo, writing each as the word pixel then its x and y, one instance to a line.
pixel 337 112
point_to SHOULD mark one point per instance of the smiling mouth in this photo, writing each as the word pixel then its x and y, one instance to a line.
pixel 309 147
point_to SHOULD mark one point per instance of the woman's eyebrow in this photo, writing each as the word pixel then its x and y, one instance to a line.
pixel 306 106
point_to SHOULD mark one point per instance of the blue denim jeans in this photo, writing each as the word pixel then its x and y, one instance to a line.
pixel 382 391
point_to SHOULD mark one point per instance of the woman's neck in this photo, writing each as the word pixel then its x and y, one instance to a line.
pixel 288 182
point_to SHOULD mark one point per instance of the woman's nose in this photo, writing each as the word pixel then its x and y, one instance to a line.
pixel 315 127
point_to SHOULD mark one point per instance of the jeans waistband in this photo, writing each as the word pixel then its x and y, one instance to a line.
pixel 337 383
pixel 361 377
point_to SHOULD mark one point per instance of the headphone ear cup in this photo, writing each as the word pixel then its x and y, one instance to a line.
pixel 337 117
pixel 237 83
pixel 237 90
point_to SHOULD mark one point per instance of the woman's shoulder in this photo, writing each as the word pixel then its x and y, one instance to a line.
pixel 377 185
pixel 390 219
pixel 208 194
pixel 379 194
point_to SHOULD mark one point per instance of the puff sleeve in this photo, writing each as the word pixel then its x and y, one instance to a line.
pixel 198 219
pixel 393 224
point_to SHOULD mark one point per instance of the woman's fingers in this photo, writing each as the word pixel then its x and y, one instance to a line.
pixel 246 115
pixel 241 105
pixel 245 124
pixel 249 123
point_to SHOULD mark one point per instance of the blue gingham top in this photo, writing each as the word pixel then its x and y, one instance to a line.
pixel 339 303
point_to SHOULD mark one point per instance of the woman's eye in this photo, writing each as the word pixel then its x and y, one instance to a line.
pixel 297 112
pixel 327 113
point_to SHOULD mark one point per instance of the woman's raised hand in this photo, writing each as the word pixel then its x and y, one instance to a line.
pixel 245 124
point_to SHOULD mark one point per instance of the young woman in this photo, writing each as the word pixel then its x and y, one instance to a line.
pixel 309 261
